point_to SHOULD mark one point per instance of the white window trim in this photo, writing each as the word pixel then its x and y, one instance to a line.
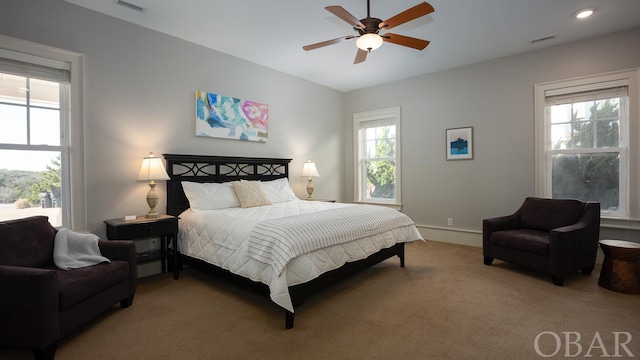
pixel 74 178
pixel 632 178
pixel 375 115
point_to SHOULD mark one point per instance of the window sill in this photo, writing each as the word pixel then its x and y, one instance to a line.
pixel 620 223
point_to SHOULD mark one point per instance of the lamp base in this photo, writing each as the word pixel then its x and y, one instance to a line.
pixel 152 201
pixel 309 189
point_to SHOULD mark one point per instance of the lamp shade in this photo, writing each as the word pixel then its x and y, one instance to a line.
pixel 152 169
pixel 309 170
pixel 369 42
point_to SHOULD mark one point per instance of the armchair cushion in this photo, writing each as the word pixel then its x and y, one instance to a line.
pixel 548 214
pixel 77 285
pixel 529 240
pixel 27 242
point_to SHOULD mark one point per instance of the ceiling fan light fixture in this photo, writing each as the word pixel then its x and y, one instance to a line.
pixel 369 42
pixel 367 29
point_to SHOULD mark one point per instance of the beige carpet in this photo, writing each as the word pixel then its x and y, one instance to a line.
pixel 445 304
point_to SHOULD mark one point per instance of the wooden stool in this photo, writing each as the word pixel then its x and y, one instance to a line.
pixel 621 267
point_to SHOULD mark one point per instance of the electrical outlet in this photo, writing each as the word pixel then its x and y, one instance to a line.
pixel 450 221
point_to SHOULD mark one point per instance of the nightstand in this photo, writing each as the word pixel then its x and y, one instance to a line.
pixel 323 200
pixel 164 226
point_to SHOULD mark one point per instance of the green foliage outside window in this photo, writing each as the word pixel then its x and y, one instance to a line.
pixel 590 176
pixel 381 178
pixel 19 184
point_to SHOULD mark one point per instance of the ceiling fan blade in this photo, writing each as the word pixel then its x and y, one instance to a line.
pixel 328 42
pixel 361 56
pixel 411 42
pixel 343 14
pixel 415 12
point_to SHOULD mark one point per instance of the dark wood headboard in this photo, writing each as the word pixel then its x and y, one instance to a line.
pixel 204 168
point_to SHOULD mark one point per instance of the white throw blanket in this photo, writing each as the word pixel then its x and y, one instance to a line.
pixel 277 241
pixel 72 250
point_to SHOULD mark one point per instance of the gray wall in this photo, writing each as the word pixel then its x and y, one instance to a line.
pixel 140 91
pixel 140 97
pixel 496 99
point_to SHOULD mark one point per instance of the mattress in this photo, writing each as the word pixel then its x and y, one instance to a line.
pixel 220 237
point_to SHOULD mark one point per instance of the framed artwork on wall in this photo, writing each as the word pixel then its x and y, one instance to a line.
pixel 459 143
pixel 230 118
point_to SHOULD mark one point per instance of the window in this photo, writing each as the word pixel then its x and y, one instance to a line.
pixel 36 167
pixel 584 141
pixel 377 141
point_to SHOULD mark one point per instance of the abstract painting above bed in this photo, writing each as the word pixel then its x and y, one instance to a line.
pixel 231 118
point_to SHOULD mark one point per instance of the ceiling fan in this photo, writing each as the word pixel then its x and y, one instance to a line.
pixel 368 28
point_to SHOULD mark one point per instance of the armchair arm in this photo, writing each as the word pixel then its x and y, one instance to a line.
pixel 118 250
pixel 501 223
pixel 124 251
pixel 491 225
pixel 575 246
pixel 29 307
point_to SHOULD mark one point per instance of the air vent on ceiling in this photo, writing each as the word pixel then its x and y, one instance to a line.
pixel 535 41
pixel 131 6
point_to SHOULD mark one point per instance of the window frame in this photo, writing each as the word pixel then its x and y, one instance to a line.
pixel 629 133
pixel 72 127
pixel 386 116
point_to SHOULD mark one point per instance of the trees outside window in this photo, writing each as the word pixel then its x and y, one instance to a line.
pixel 377 139
pixel 589 176
pixel 585 146
pixel 380 163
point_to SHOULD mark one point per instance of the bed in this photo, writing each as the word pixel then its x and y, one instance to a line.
pixel 219 236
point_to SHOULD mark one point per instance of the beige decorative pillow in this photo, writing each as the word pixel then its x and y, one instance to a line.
pixel 250 194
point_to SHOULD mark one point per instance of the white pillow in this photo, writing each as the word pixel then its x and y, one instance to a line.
pixel 250 194
pixel 210 196
pixel 278 190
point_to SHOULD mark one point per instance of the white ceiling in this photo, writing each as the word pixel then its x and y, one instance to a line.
pixel 462 32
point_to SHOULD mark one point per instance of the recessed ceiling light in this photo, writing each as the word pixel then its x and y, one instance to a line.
pixel 585 13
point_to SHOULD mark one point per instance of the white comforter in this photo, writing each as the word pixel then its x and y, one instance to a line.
pixel 220 237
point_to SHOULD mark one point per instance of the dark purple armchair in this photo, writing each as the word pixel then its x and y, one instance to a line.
pixel 554 236
pixel 41 303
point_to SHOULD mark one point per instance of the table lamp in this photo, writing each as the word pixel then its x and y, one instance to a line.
pixel 309 171
pixel 151 170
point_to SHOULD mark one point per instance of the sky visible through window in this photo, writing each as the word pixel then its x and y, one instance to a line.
pixel 26 160
pixel 44 126
pixel 564 116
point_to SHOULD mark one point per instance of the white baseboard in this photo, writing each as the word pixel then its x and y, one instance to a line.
pixel 450 235
pixel 465 237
